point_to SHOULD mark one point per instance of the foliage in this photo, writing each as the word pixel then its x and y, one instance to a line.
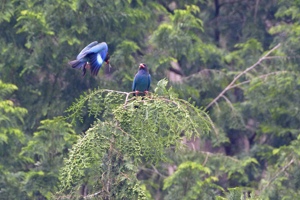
pixel 139 131
pixel 46 158
pixel 12 139
pixel 202 189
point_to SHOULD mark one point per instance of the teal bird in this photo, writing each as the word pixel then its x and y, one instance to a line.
pixel 91 57
pixel 142 80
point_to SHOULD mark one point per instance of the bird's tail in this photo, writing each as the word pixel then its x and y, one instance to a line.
pixel 77 64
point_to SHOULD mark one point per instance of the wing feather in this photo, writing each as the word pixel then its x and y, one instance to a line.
pixel 82 52
pixel 134 83
pixel 149 82
pixel 102 47
pixel 94 63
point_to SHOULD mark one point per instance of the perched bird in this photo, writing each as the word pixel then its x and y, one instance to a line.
pixel 91 57
pixel 142 80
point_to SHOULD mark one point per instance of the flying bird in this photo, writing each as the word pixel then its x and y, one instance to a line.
pixel 142 80
pixel 91 57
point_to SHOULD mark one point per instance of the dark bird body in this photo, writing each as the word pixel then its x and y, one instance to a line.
pixel 142 80
pixel 91 57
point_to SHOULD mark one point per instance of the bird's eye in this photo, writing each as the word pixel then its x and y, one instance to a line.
pixel 107 58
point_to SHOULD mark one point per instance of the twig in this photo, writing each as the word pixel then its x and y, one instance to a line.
pixel 239 75
pixel 120 92
pixel 255 10
pixel 206 158
pixel 261 77
pixel 278 173
pixel 157 171
pixel 229 102
pixel 92 195
pixel 219 154
pixel 126 100
pixel 272 57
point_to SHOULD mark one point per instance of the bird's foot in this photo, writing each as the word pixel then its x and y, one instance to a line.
pixel 136 93
pixel 146 92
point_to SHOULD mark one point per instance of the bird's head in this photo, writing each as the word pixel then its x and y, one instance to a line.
pixel 107 58
pixel 143 67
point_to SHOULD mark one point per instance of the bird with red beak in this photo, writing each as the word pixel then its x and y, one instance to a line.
pixel 142 80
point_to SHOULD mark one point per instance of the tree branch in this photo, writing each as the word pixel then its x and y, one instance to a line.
pixel 256 9
pixel 239 75
pixel 261 77
pixel 278 173
pixel 219 154
pixel 229 102
pixel 92 195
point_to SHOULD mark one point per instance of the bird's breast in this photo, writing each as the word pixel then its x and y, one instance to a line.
pixel 141 82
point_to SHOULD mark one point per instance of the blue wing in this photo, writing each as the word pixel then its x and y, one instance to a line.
pixel 96 56
pixel 99 48
pixel 95 63
pixel 79 64
pixel 149 82
pixel 134 83
pixel 80 59
pixel 85 49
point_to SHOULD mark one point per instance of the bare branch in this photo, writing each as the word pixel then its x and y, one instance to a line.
pixel 278 173
pixel 256 8
pixel 209 154
pixel 276 57
pixel 92 195
pixel 126 100
pixel 206 158
pixel 239 75
pixel 157 171
pixel 229 102
pixel 261 77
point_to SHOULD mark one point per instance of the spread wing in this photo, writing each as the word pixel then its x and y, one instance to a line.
pixel 96 56
pixel 82 52
pixel 99 48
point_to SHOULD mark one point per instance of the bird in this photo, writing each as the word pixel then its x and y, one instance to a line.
pixel 142 80
pixel 91 57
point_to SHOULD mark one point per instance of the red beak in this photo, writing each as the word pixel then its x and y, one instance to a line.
pixel 141 66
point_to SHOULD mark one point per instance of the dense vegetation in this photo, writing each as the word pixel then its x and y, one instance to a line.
pixel 222 120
